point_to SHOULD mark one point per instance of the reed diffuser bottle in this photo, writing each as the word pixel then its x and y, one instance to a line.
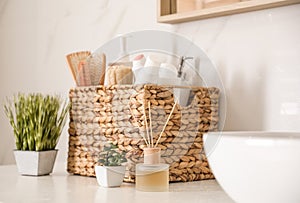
pixel 152 176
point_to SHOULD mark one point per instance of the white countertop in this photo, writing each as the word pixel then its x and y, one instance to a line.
pixel 62 187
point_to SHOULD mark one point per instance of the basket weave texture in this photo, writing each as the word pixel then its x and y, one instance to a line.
pixel 101 114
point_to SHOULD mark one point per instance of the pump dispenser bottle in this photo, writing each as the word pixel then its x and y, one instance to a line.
pixel 152 176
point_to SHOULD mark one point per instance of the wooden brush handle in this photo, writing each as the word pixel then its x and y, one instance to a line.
pixel 73 61
pixel 69 56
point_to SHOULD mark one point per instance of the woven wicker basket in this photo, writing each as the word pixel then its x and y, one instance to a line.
pixel 116 113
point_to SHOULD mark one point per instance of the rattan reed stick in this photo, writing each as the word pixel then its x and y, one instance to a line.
pixel 147 129
pixel 173 108
pixel 151 133
pixel 145 140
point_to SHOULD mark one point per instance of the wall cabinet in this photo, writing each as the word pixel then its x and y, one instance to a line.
pixel 177 11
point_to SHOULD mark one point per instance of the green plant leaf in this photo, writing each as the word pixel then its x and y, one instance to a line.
pixel 111 156
pixel 37 120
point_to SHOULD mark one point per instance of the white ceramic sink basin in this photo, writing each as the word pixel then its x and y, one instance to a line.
pixel 256 166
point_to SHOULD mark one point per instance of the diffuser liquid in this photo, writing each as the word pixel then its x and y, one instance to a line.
pixel 152 178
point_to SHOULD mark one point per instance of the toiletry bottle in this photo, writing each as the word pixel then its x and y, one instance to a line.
pixel 137 68
pixel 152 176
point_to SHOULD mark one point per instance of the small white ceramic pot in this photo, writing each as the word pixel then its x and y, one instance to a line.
pixel 35 163
pixel 110 176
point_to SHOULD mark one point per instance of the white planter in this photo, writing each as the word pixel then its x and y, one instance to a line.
pixel 110 176
pixel 35 163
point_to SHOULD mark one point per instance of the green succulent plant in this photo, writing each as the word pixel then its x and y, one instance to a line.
pixel 37 120
pixel 111 156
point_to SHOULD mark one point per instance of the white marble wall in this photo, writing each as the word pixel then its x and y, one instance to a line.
pixel 257 55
